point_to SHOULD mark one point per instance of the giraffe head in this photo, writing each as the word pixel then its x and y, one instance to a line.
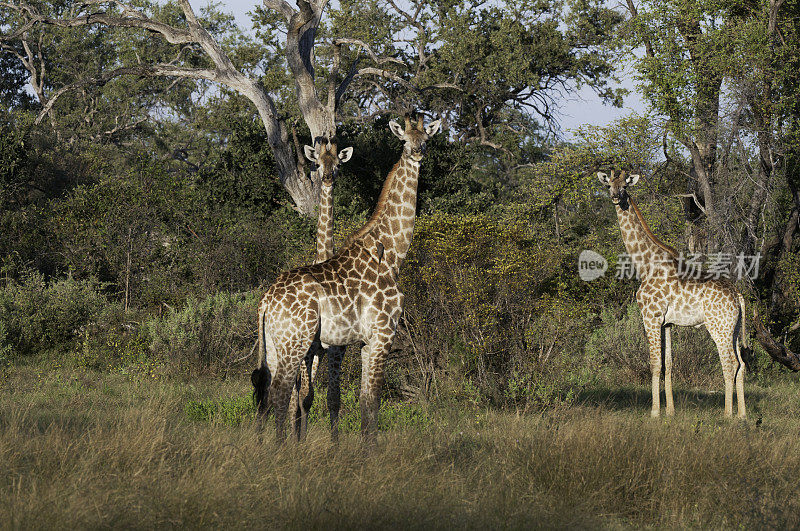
pixel 327 157
pixel 414 135
pixel 617 186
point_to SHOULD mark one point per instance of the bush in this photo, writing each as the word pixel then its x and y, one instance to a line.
pixel 206 335
pixel 472 284
pixel 6 350
pixel 621 344
pixel 38 315
pixel 391 415
pixel 230 411
pixel 114 343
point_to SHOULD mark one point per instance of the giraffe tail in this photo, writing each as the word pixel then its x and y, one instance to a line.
pixel 262 353
pixel 260 377
pixel 743 340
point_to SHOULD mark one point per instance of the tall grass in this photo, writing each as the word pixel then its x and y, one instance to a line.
pixel 85 449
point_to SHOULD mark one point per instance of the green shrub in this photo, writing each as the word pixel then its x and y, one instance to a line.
pixel 392 415
pixel 39 315
pixel 114 344
pixel 236 409
pixel 539 391
pixel 472 284
pixel 230 411
pixel 6 350
pixel 207 334
pixel 621 344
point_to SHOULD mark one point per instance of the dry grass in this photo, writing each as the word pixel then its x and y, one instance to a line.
pixel 86 449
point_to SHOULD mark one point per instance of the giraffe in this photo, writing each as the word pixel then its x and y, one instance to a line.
pixel 667 298
pixel 328 158
pixel 353 297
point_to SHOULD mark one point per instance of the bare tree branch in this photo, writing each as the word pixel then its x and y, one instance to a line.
pixel 696 201
pixel 366 47
pixel 281 6
pixel 777 351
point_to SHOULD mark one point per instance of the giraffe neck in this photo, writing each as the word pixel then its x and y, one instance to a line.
pixel 396 228
pixel 392 222
pixel 325 223
pixel 650 255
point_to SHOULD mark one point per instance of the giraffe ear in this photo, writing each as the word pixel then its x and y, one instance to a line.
pixel 432 127
pixel 396 129
pixel 345 154
pixel 603 177
pixel 630 180
pixel 310 153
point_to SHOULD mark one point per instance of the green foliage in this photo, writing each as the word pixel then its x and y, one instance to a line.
pixel 40 316
pixel 13 160
pixel 6 349
pixel 483 299
pixel 496 51
pixel 392 415
pixel 621 342
pixel 205 334
pixel 161 236
pixel 789 269
pixel 238 409
pixel 539 392
pixel 230 411
pixel 684 90
pixel 115 345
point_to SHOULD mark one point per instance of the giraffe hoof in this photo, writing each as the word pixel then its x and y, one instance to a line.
pixel 655 413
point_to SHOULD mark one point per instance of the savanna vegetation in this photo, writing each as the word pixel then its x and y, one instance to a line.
pixel 152 185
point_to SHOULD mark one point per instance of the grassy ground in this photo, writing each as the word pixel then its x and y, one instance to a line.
pixel 82 448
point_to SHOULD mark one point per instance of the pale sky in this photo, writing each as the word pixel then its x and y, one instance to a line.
pixel 583 107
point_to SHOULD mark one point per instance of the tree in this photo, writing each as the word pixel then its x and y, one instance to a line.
pixel 723 74
pixel 198 55
pixel 686 49
pixel 397 58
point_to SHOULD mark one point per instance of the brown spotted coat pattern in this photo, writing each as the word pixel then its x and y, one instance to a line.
pixel 667 298
pixel 352 297
pixel 326 156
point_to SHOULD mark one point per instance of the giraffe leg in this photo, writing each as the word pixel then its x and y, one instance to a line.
pixel 667 332
pixel 306 395
pixel 373 358
pixel 653 330
pixel 298 390
pixel 368 399
pixel 741 413
pixel 727 357
pixel 279 395
pixel 728 374
pixel 335 356
pixel 284 381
